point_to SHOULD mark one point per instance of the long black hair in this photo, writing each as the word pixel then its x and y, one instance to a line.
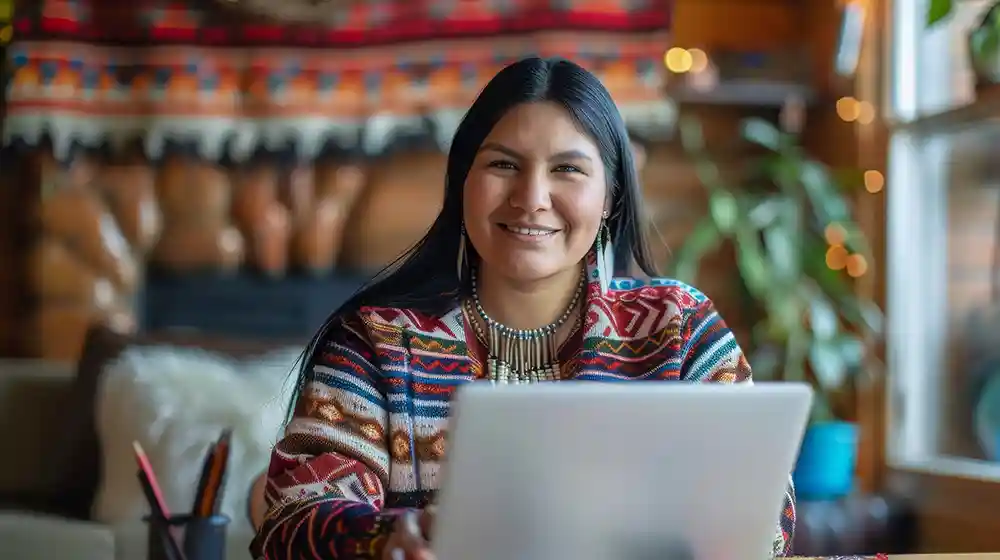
pixel 425 278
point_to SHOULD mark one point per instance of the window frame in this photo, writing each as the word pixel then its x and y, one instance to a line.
pixel 917 312
pixel 953 498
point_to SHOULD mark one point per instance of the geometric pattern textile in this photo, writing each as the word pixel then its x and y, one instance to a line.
pixel 106 71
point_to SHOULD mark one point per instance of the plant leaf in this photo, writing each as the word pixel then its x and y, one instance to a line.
pixel 692 137
pixel 781 241
pixel 784 311
pixel 984 43
pixel 796 351
pixel 849 179
pixel 766 362
pixel 703 239
pixel 824 194
pixel 823 317
pixel 827 364
pixel 762 133
pixel 725 210
pixel 938 10
pixel 708 173
pixel 765 212
pixel 865 315
pixel 855 239
pixel 751 262
pixel 852 351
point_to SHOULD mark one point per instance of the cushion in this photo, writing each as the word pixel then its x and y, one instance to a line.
pixel 29 536
pixel 132 539
pixel 175 402
pixel 34 395
pixel 77 468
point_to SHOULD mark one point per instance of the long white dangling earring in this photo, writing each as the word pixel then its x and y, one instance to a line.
pixel 605 256
pixel 461 254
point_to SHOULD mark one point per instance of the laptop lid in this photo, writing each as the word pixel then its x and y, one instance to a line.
pixel 601 471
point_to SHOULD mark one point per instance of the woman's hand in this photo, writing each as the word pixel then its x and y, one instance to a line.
pixel 410 538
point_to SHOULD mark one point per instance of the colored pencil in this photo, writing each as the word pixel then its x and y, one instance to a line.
pixel 209 500
pixel 158 520
pixel 147 469
pixel 206 473
pixel 225 450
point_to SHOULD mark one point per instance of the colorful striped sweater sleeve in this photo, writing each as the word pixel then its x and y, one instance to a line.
pixel 712 355
pixel 327 477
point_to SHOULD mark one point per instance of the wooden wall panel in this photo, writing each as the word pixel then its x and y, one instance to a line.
pixel 737 24
pixel 7 256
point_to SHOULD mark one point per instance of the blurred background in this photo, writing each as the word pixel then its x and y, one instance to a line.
pixel 188 188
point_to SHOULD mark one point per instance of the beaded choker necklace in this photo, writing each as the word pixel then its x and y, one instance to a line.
pixel 520 355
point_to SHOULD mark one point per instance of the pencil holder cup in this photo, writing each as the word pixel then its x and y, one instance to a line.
pixel 201 538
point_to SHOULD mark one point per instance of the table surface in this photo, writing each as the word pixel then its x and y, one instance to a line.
pixel 986 556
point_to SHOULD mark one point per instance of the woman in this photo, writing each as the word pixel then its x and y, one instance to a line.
pixel 540 179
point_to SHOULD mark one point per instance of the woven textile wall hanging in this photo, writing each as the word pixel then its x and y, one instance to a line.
pixel 232 76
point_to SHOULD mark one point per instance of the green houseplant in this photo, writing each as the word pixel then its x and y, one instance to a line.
pixel 779 219
pixel 983 40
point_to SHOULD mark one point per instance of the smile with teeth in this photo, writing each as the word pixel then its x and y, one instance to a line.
pixel 533 232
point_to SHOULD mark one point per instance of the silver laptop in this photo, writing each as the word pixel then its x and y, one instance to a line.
pixel 626 471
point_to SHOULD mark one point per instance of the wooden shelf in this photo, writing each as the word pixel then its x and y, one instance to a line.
pixel 755 79
pixel 743 93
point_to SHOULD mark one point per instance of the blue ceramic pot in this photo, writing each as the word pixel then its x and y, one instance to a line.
pixel 827 461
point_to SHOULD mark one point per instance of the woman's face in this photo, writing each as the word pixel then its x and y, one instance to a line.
pixel 535 194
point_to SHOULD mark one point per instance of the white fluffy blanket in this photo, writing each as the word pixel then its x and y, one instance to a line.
pixel 175 402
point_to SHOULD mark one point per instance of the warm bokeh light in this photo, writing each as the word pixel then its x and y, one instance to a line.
pixel 836 257
pixel 874 181
pixel 856 266
pixel 866 112
pixel 678 60
pixel 699 60
pixel 6 34
pixel 848 109
pixel 835 234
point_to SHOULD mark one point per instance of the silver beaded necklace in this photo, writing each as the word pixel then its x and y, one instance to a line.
pixel 521 355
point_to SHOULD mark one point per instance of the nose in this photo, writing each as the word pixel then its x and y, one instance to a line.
pixel 531 192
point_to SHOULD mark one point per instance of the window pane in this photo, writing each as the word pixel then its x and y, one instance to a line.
pixel 945 290
pixel 931 66
pixel 973 288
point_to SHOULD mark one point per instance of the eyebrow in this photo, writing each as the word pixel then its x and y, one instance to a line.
pixel 567 154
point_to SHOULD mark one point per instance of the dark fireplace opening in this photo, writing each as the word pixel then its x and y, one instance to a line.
pixel 244 304
pixel 255 306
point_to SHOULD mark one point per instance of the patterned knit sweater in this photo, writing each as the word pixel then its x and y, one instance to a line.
pixel 345 466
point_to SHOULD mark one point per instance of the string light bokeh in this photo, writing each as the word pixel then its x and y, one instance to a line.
pixel 6 16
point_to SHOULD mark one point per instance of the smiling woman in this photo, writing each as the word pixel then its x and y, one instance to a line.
pixel 540 182
pixel 535 199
